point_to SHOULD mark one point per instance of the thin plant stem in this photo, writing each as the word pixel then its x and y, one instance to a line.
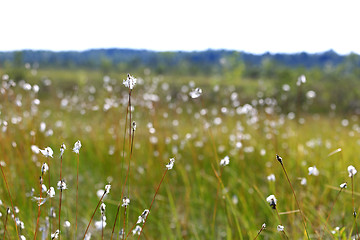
pixel 124 222
pixel 102 227
pixel 94 214
pixel 6 218
pixel 297 202
pixel 216 200
pixel 122 165
pixel 129 106
pixel 39 208
pixel 332 207
pixel 50 212
pixel 123 187
pixel 353 203
pixel 261 229
pixel 77 193
pixel 285 234
pixel 12 205
pixel 152 202
pixel 278 215
pixel 61 158
pixel 131 141
pixel 130 230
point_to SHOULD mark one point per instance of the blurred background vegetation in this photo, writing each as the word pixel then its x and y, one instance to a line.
pixel 334 78
pixel 252 108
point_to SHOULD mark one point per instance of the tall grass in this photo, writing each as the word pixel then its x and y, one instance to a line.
pixel 198 199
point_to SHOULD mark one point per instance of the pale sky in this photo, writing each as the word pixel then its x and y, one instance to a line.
pixel 255 26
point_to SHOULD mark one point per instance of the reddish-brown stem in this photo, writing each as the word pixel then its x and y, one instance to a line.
pixel 60 198
pixel 122 191
pixel 261 229
pixel 39 209
pixel 162 179
pixel 94 214
pixel 129 117
pixel 130 231
pixel 50 212
pixel 12 205
pixel 124 222
pixel 332 206
pixel 7 213
pixel 123 187
pixel 77 193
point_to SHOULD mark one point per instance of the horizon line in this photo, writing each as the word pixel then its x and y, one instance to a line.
pixel 186 51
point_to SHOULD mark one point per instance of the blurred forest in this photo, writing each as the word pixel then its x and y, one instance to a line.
pixel 332 77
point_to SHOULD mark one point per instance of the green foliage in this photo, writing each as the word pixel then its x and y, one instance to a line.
pixel 250 120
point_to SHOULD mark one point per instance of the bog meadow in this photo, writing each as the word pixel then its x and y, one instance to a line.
pixel 212 145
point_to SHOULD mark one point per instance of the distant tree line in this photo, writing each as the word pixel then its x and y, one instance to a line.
pixel 196 62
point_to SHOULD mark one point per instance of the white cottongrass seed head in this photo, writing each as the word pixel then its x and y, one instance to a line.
pixel 271 178
pixel 77 147
pixel 61 185
pixel 100 224
pixel 67 224
pixel 272 201
pixel 351 170
pixel 143 216
pixel 343 185
pixel 303 181
pixel 301 80
pixel 225 161
pixel 51 192
pixel 170 165
pixel 55 234
pixel 102 208
pixel 107 189
pixel 44 168
pixel 47 152
pixel 130 82
pixel 280 228
pixel 126 202
pixel 313 171
pixel 137 230
pixel 195 93
pixel 62 149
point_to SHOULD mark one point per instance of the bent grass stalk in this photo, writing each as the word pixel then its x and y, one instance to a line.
pixel 152 202
pixel 261 229
pixel 87 228
pixel 328 216
pixel 12 205
pixel 297 202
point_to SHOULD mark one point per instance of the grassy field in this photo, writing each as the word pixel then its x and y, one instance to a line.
pixel 198 198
